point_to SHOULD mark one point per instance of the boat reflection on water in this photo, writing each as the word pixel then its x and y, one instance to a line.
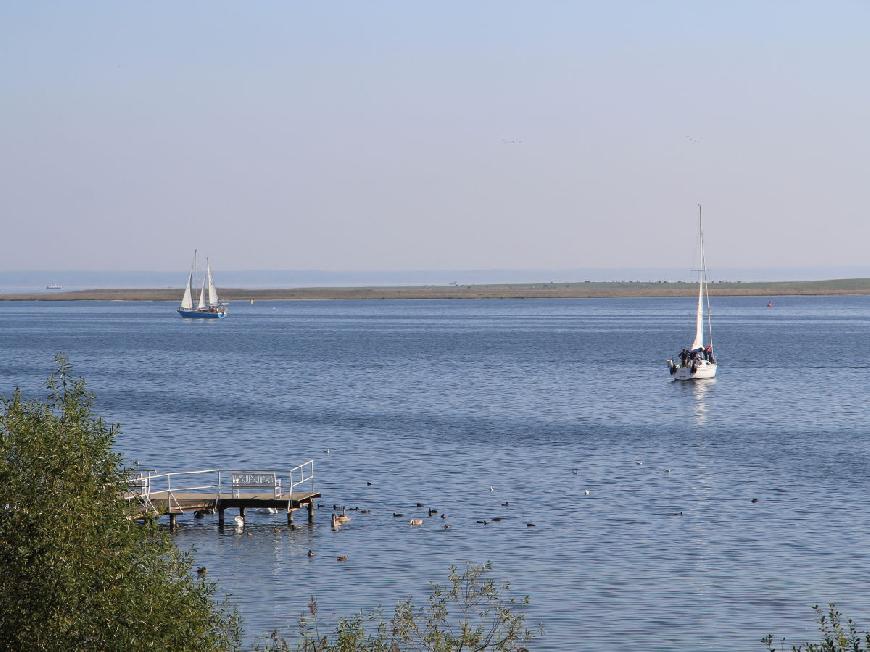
pixel 700 393
pixel 700 389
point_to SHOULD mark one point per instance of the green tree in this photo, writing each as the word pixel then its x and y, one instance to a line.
pixel 77 572
pixel 471 613
pixel 836 635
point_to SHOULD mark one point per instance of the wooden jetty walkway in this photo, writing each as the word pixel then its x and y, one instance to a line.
pixel 216 490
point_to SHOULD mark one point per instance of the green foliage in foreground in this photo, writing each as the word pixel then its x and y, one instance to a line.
pixel 470 613
pixel 76 572
pixel 836 636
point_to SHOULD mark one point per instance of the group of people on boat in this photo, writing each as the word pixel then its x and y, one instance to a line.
pixel 692 358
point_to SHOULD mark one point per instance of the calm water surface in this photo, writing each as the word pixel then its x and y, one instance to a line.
pixel 435 402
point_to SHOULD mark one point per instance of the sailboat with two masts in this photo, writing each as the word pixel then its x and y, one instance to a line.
pixel 698 362
pixel 214 309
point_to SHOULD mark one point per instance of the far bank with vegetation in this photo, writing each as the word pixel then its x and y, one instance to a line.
pixel 553 290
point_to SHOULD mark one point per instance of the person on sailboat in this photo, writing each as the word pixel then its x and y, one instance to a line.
pixel 708 354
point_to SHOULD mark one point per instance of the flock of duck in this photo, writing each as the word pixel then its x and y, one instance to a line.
pixel 341 517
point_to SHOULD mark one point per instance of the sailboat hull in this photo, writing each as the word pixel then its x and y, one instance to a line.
pixel 704 371
pixel 201 314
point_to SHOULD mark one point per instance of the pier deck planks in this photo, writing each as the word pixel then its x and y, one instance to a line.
pixel 184 502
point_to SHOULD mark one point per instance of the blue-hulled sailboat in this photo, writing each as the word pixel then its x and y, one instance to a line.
pixel 214 309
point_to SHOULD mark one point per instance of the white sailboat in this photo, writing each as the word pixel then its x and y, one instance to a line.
pixel 214 309
pixel 698 362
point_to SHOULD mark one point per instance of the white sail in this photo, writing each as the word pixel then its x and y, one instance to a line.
pixel 699 319
pixel 187 299
pixel 201 305
pixel 212 290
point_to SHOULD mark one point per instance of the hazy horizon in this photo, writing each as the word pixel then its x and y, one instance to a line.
pixel 391 135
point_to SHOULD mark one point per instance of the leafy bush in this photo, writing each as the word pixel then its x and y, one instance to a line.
pixel 76 571
pixel 470 613
pixel 836 637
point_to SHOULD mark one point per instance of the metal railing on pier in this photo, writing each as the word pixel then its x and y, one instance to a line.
pixel 148 486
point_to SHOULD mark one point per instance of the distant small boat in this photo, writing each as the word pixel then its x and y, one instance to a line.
pixel 252 302
pixel 54 285
pixel 697 362
pixel 214 309
pixel 770 304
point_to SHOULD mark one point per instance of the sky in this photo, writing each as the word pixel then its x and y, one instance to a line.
pixel 436 136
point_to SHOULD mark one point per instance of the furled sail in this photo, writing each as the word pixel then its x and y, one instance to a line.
pixel 212 290
pixel 187 300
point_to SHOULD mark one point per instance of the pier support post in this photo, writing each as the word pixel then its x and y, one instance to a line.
pixel 310 512
pixel 172 522
pixel 290 517
pixel 220 517
pixel 242 512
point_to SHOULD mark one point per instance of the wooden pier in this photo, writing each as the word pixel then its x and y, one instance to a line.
pixel 216 490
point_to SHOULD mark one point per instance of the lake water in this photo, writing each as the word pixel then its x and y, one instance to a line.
pixel 434 402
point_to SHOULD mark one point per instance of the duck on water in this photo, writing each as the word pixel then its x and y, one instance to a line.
pixel 698 362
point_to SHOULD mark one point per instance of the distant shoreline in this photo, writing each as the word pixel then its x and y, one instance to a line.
pixel 583 290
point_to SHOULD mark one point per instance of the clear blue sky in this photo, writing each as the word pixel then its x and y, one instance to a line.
pixel 398 135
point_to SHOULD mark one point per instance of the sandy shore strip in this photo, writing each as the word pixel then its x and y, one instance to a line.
pixel 584 290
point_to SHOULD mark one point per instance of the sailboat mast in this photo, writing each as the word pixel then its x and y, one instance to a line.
pixel 700 251
pixel 698 342
pixel 704 276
